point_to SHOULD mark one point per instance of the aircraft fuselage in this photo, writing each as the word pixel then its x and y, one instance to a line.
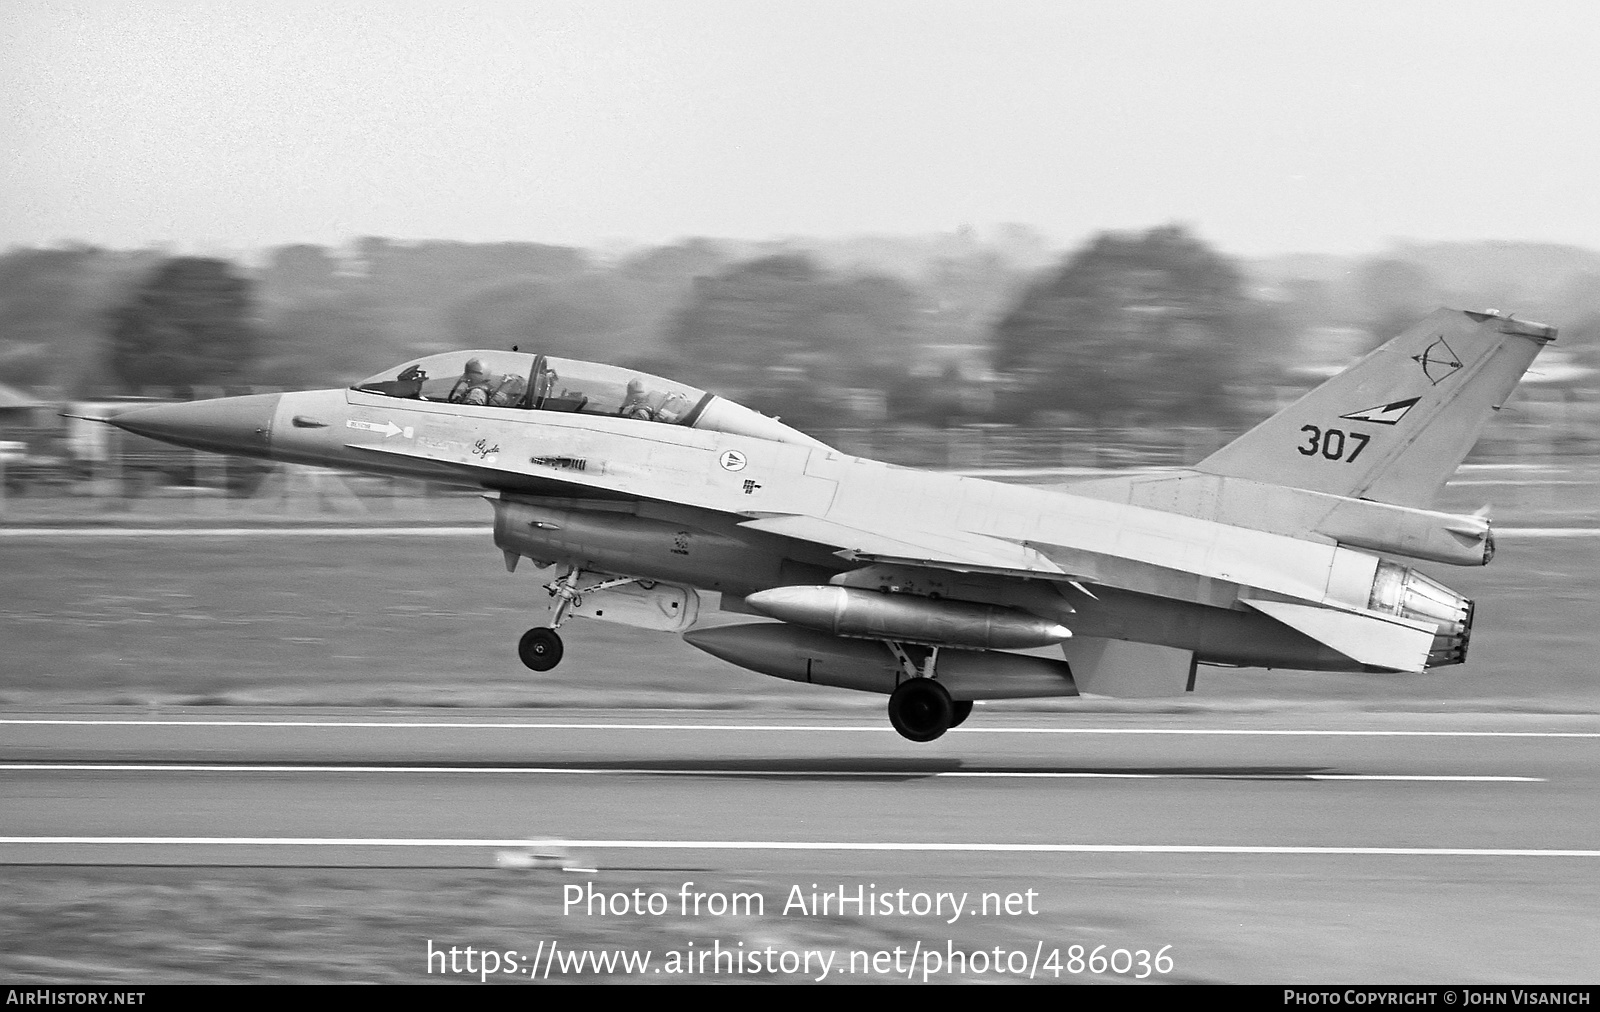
pixel 674 504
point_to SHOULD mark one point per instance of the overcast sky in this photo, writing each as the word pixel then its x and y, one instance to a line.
pixel 1268 126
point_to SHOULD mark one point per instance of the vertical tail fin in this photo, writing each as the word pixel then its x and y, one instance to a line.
pixel 1396 424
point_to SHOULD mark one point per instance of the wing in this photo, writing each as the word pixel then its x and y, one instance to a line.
pixel 954 550
pixel 1379 641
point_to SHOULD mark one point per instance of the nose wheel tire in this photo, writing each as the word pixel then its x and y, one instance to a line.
pixel 961 709
pixel 540 649
pixel 921 710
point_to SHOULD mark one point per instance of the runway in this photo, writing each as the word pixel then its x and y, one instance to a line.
pixel 1010 781
pixel 1465 847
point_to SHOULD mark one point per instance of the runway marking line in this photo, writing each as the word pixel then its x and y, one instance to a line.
pixel 645 771
pixel 792 845
pixel 241 532
pixel 457 532
pixel 848 728
pixel 1547 532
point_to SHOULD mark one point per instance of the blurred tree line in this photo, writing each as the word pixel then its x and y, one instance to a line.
pixel 1142 329
pixel 1152 328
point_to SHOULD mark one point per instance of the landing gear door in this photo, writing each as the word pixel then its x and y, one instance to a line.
pixel 666 607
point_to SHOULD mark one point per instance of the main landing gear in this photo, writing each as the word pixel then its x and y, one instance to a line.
pixel 540 648
pixel 920 708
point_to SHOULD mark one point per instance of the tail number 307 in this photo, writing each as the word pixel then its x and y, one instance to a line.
pixel 1333 443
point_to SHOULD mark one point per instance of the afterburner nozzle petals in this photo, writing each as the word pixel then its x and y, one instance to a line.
pixel 224 425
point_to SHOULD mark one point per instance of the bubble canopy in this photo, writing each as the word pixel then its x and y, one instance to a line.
pixel 517 381
pixel 514 380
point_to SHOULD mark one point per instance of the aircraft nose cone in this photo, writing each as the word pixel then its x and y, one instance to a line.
pixel 223 425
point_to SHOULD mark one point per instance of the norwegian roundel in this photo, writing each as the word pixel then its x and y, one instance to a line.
pixel 732 460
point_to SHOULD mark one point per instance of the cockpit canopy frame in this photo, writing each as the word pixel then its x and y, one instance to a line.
pixel 518 380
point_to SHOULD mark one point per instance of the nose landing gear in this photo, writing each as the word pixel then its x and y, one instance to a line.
pixel 540 648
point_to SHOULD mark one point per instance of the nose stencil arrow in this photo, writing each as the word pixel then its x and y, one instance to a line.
pixel 387 428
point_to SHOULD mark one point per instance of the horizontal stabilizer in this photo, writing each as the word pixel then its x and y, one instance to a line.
pixel 1388 642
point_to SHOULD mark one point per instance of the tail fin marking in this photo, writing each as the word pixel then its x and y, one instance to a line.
pixel 1395 425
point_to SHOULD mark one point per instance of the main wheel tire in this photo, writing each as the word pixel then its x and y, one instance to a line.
pixel 540 649
pixel 920 709
pixel 961 709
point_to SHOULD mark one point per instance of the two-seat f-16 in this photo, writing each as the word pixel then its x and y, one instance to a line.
pixel 1276 551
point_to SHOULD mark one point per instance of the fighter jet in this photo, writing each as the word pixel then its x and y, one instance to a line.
pixel 648 498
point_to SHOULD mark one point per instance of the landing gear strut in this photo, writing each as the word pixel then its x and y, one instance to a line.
pixel 920 708
pixel 540 648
